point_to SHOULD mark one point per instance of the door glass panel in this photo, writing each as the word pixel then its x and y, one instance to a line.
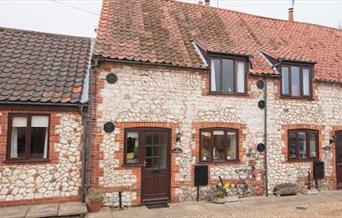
pixel 205 143
pixel 339 149
pixel 228 76
pixel 149 140
pixel 148 162
pixel 295 83
pixel 149 151
pixel 155 155
pixel 219 148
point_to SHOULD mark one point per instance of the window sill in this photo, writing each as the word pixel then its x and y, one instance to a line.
pixel 220 162
pixel 301 160
pixel 131 165
pixel 228 94
pixel 27 161
pixel 306 98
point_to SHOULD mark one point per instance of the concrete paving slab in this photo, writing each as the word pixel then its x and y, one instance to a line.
pixel 14 212
pixel 72 208
pixel 45 210
pixel 194 208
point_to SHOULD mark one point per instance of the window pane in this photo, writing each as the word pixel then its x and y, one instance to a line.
pixel 295 83
pixel 18 137
pixel 215 77
pixel 39 142
pixel 292 149
pixel 228 76
pixel 132 143
pixel 306 82
pixel 39 136
pixel 219 146
pixel 231 149
pixel 240 77
pixel 301 143
pixel 313 145
pixel 285 80
pixel 18 141
pixel 206 148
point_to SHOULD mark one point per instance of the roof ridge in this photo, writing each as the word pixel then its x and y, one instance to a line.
pixel 45 33
pixel 253 15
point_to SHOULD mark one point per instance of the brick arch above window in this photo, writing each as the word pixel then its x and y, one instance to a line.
pixel 301 127
pixel 240 128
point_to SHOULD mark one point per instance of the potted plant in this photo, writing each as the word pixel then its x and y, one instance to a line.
pixel 94 200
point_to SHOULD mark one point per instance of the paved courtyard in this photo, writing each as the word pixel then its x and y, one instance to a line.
pixel 325 204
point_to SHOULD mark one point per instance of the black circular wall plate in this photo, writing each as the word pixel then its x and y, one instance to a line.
pixel 261 104
pixel 111 78
pixel 261 147
pixel 109 127
pixel 260 84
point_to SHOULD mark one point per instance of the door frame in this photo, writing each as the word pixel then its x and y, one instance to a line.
pixel 338 132
pixel 168 132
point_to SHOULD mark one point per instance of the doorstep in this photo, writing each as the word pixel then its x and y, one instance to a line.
pixel 44 210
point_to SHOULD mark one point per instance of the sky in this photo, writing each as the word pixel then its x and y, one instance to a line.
pixel 80 17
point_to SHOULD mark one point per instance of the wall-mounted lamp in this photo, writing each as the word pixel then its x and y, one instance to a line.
pixel 332 139
pixel 178 136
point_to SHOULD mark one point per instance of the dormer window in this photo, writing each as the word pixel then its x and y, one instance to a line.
pixel 228 75
pixel 296 80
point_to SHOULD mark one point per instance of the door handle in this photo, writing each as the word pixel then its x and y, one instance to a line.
pixel 144 164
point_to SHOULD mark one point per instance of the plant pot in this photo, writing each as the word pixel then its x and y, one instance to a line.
pixel 94 206
pixel 217 200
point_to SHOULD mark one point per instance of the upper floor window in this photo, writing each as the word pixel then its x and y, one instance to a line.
pixel 296 80
pixel 303 144
pixel 28 137
pixel 218 144
pixel 228 75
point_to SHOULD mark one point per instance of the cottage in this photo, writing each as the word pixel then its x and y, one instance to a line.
pixel 176 86
pixel 43 96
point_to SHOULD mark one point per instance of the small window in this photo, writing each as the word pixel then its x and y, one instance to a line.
pixel 296 81
pixel 28 137
pixel 132 147
pixel 228 75
pixel 218 144
pixel 303 144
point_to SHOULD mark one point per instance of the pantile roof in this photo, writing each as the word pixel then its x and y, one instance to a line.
pixel 163 31
pixel 42 67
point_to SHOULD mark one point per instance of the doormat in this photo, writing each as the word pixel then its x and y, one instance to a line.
pixel 155 206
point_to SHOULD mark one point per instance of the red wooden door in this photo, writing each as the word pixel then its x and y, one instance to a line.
pixel 339 159
pixel 155 179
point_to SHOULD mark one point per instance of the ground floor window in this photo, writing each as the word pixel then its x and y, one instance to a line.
pixel 218 144
pixel 28 137
pixel 303 144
